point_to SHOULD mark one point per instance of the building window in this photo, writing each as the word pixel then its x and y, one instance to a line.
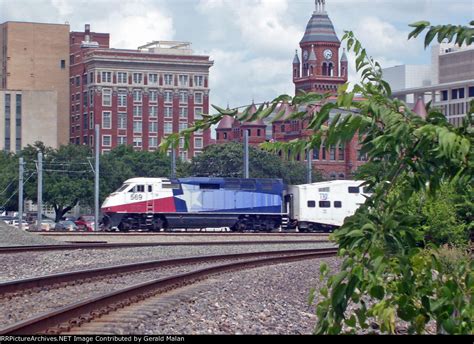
pixel 153 142
pixel 197 153
pixel 153 111
pixel 183 81
pixel 360 156
pixel 168 112
pixel 183 126
pixel 461 93
pixel 91 97
pixel 137 78
pixel 122 120
pixel 183 97
pixel 122 78
pixel 259 132
pixel 471 91
pixel 63 63
pixel 183 112
pixel 78 81
pixel 106 120
pixel 106 77
pixel 153 96
pixel 341 155
pixel 122 98
pixel 137 127
pixel 181 142
pixel 183 155
pixel 85 122
pixel 198 143
pixel 137 111
pixel 323 150
pixel 198 97
pixel 168 96
pixel 153 127
pixel 198 81
pixel 121 140
pixel 85 101
pixel 168 79
pixel 152 78
pixel 168 127
pixel 137 142
pixel 137 96
pixel 198 113
pixel 91 78
pixel 454 93
pixel 91 120
pixel 332 153
pixel 315 154
pixel 106 140
pixel 106 97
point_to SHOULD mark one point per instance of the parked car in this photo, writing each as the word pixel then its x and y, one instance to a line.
pixel 46 225
pixel 66 226
pixel 24 224
pixel 86 223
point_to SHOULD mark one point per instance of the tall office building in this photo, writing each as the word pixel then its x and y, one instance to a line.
pixel 34 84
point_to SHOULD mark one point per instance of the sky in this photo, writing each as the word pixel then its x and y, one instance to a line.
pixel 252 42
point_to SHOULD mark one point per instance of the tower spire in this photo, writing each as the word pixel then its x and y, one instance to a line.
pixel 320 6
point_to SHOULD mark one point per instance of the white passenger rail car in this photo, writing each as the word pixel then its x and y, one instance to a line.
pixel 323 206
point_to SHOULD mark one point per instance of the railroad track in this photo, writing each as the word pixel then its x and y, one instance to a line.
pixel 104 245
pixel 71 316
pixel 175 234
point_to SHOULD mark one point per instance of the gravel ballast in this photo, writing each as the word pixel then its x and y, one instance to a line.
pixel 31 264
pixel 11 236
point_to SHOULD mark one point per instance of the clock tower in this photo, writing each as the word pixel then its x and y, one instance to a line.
pixel 321 69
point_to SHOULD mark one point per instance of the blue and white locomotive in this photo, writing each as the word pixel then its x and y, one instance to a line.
pixel 239 204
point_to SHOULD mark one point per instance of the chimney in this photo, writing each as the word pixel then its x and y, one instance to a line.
pixel 87 32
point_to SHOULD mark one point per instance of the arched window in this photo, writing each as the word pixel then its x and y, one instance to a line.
pixel 325 68
pixel 330 69
pixel 311 70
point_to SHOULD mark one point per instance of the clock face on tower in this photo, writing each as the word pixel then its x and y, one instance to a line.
pixel 327 54
pixel 305 55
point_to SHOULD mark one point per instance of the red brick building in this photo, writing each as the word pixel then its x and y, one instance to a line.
pixel 138 97
pixel 321 71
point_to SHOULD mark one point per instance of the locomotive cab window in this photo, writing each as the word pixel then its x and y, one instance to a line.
pixel 267 185
pixel 337 204
pixel 324 204
pixel 123 188
pixel 311 204
pixel 138 188
pixel 353 190
pixel 232 184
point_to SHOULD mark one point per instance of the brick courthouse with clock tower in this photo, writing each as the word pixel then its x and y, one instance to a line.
pixel 321 70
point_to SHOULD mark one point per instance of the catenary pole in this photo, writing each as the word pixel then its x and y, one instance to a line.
pixel 20 193
pixel 97 175
pixel 246 154
pixel 40 189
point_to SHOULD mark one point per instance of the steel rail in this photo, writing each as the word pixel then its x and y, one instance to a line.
pixel 64 319
pixel 105 245
pixel 75 276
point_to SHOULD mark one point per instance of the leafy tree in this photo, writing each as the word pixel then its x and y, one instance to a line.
pixel 8 181
pixel 226 160
pixel 385 274
pixel 67 176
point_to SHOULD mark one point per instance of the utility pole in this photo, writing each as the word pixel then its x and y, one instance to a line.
pixel 309 167
pixel 20 194
pixel 246 154
pixel 96 182
pixel 173 162
pixel 40 189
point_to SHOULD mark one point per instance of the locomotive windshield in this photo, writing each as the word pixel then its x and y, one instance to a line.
pixel 123 187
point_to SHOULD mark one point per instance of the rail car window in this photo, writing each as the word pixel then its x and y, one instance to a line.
pixel 324 189
pixel 209 186
pixel 311 204
pixel 138 188
pixel 150 188
pixel 232 184
pixel 353 189
pixel 248 185
pixel 337 204
pixel 324 204
pixel 171 186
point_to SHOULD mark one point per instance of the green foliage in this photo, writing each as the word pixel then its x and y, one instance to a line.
pixel 226 160
pixel 8 181
pixel 386 274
